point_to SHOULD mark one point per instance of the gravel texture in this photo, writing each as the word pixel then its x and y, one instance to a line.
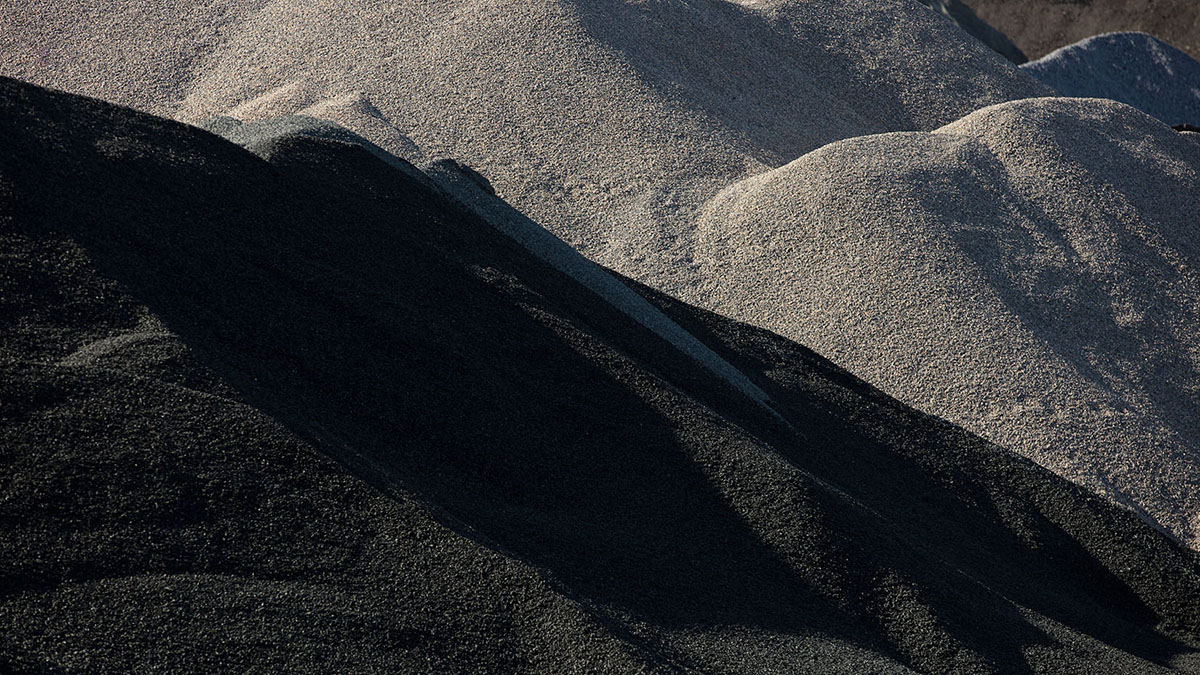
pixel 299 411
pixel 318 399
pixel 1133 68
pixel 1030 272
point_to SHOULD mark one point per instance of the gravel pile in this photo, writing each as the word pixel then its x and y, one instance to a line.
pixel 1132 68
pixel 608 122
pixel 298 410
pixel 1030 272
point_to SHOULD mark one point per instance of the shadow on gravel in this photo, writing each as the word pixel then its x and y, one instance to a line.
pixel 413 343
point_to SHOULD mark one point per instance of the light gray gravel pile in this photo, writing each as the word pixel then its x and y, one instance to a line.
pixel 607 121
pixel 1133 68
pixel 1029 272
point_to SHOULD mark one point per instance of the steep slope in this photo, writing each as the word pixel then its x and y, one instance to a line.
pixel 1133 68
pixel 1039 27
pixel 1030 272
pixel 527 479
pixel 608 120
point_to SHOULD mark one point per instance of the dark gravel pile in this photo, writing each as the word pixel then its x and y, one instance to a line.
pixel 298 411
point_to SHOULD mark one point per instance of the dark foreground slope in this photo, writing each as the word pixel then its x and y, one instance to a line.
pixel 305 414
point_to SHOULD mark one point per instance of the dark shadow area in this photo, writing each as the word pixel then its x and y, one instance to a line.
pixel 410 340
pixel 978 511
pixel 413 343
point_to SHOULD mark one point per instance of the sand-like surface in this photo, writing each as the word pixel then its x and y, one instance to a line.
pixel 1030 272
pixel 609 122
pixel 1133 68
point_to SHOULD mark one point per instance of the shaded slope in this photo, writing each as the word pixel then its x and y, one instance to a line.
pixel 473 191
pixel 1039 27
pixel 324 300
pixel 149 526
pixel 1029 272
pixel 1133 68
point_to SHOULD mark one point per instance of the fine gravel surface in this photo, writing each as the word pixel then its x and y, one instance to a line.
pixel 298 410
pixel 1039 27
pixel 608 121
pixel 966 19
pixel 1030 272
pixel 1133 68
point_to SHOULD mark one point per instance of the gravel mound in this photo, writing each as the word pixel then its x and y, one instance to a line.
pixel 607 121
pixel 1029 272
pixel 309 414
pixel 1133 68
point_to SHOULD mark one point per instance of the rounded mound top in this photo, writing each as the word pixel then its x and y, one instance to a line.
pixel 1135 68
pixel 1028 272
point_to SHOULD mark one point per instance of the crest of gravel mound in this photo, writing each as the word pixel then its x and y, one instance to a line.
pixel 300 411
pixel 355 110
pixel 609 121
pixel 1039 27
pixel 1133 68
pixel 264 137
pixel 1030 272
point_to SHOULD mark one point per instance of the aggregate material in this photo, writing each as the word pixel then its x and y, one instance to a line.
pixel 1030 272
pixel 1133 68
pixel 298 410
